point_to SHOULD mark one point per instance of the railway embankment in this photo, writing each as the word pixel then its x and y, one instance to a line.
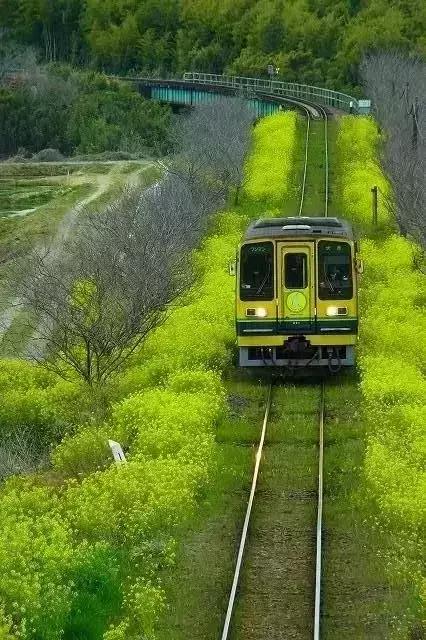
pixel 151 546
pixel 365 594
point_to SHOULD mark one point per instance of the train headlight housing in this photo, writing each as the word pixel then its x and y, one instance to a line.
pixel 337 311
pixel 260 312
pixel 332 311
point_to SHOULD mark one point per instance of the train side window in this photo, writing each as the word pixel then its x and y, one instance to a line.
pixel 257 271
pixel 334 271
pixel 295 271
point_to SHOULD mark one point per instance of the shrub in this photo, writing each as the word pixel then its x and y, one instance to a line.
pixel 28 408
pixel 144 602
pixel 36 555
pixel 270 165
pixel 201 382
pixel 162 423
pixel 5 626
pixel 48 155
pixel 78 110
pixel 20 374
pixel 387 380
pixel 128 503
pixel 201 333
pixel 389 476
pixel 86 451
pixel 359 171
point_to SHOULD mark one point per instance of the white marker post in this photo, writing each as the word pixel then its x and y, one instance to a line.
pixel 117 451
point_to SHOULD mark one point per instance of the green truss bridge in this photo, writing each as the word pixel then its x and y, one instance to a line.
pixel 266 96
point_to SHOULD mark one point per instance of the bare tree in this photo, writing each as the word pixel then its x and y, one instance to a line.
pixel 91 303
pixel 212 144
pixel 397 86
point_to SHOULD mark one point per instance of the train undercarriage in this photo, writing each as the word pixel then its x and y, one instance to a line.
pixel 298 352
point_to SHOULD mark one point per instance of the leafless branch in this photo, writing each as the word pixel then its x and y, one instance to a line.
pixel 397 86
pixel 212 144
pixel 91 300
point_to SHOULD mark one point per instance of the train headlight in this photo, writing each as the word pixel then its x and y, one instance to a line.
pixel 261 313
pixel 332 311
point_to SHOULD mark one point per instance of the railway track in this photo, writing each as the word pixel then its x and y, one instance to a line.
pixel 313 118
pixel 316 125
pixel 318 115
pixel 227 632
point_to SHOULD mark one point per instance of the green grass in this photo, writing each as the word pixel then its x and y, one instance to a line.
pixel 144 174
pixel 201 579
pixel 17 198
pixel 314 203
pixel 334 206
pixel 315 177
pixel 45 170
pixel 275 594
pixel 291 202
pixel 19 234
pixel 53 192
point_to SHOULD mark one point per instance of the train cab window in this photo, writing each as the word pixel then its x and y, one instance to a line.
pixel 295 271
pixel 257 271
pixel 334 271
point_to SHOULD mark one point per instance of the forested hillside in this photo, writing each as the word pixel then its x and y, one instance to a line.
pixel 316 41
pixel 71 111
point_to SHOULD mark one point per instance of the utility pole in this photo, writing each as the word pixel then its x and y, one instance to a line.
pixel 374 207
pixel 414 112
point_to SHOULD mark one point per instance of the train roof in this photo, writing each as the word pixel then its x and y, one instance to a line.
pixel 299 226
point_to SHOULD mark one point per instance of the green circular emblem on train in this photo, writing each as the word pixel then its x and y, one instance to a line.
pixel 296 301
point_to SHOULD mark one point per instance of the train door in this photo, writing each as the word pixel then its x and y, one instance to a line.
pixel 297 288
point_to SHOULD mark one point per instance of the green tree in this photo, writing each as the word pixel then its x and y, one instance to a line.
pixel 315 41
pixel 101 120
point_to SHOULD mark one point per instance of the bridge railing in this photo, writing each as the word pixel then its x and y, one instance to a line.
pixel 285 89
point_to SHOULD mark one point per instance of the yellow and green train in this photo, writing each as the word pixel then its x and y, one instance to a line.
pixel 297 293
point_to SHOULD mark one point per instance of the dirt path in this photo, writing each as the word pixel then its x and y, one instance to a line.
pixel 103 183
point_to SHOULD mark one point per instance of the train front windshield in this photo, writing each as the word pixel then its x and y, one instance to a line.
pixel 334 271
pixel 257 271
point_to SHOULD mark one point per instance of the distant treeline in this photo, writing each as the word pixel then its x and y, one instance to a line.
pixel 313 41
pixel 57 107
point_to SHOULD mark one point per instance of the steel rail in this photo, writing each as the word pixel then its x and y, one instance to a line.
pixel 326 186
pixel 318 559
pixel 305 169
pixel 324 115
pixel 231 601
